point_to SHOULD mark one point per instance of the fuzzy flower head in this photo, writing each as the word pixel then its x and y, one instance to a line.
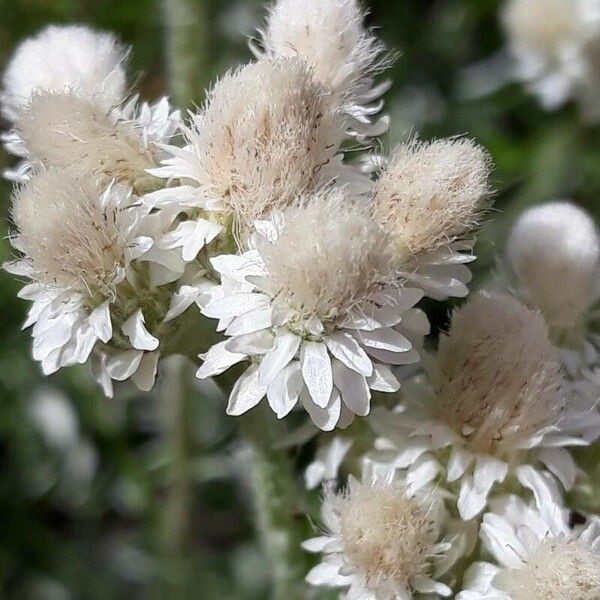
pixel 66 59
pixel 538 556
pixel 72 238
pixel 60 130
pixel 315 305
pixel 497 376
pixel 429 198
pixel 556 45
pixel 381 541
pixel 344 56
pixel 81 249
pixel 554 253
pixel 267 134
pixel 498 407
pixel 313 267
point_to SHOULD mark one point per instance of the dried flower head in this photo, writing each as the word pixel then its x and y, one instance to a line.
pixel 267 134
pixel 559 568
pixel 432 193
pixel 498 377
pixel 62 130
pixel 554 251
pixel 70 238
pixel 331 37
pixel 71 59
pixel 329 258
pixel 380 541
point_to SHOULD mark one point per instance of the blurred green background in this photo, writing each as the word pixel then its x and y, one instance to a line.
pixel 88 505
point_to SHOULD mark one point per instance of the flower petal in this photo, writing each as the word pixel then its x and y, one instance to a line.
pixel 316 372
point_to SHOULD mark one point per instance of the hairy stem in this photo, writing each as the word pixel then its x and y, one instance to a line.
pixel 280 523
pixel 178 502
pixel 187 45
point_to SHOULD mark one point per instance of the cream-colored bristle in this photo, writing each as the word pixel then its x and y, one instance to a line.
pixel 62 130
pixel 560 569
pixel 498 377
pixel 69 239
pixel 432 193
pixel 330 257
pixel 266 135
pixel 385 534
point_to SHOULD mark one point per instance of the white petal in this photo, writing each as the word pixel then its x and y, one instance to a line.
pixel 217 360
pixel 285 349
pixel 383 380
pixel 345 348
pixel 353 388
pixel 145 376
pixel 385 339
pixel 134 328
pixel 316 372
pixel 235 305
pixel 284 391
pixel 316 544
pixel 123 365
pixel 324 418
pixel 458 463
pixel 426 585
pixel 246 393
pixel 323 574
pixel 261 318
pixel 100 321
pixel 259 342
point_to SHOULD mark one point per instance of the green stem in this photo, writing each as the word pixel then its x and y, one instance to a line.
pixel 187 45
pixel 178 502
pixel 279 520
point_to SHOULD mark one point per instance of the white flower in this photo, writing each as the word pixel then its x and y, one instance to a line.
pixel 430 197
pixel 538 556
pixel 67 59
pixel 79 247
pixel 498 408
pixel 345 57
pixel 266 135
pixel 556 47
pixel 61 130
pixel 327 462
pixel 382 541
pixel 315 305
pixel 554 253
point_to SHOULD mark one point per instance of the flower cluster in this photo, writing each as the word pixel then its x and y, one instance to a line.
pixel 247 231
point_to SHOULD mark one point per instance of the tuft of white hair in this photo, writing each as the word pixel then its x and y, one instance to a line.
pixel 69 237
pixel 386 535
pixel 267 134
pixel 432 193
pixel 498 377
pixel 330 257
pixel 74 59
pixel 554 251
pixel 331 37
pixel 560 568
pixel 62 130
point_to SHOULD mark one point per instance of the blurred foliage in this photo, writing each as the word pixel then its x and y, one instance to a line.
pixel 83 479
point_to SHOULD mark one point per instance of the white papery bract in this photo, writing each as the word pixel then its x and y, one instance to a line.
pixel 382 541
pixel 345 56
pixel 556 46
pixel 429 198
pixel 78 246
pixel 315 305
pixel 327 463
pixel 552 243
pixel 67 59
pixel 537 555
pixel 498 408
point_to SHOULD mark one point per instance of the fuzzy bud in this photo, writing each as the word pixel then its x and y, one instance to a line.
pixel 71 59
pixel 498 377
pixel 554 251
pixel 432 193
